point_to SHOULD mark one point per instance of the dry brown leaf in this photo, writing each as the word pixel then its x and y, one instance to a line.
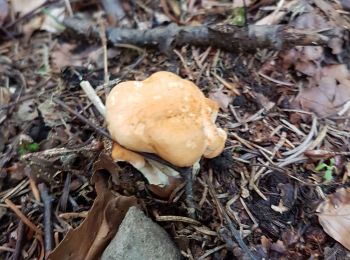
pixel 279 247
pixel 62 56
pixel 50 115
pixel 331 93
pixel 308 59
pixel 48 22
pixel 30 27
pixel 26 111
pixel 5 96
pixel 334 216
pixel 90 239
pixel 337 20
pixel 65 55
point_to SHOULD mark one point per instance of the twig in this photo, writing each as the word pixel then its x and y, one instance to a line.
pixel 234 232
pixel 91 94
pixel 47 200
pixel 189 193
pixel 70 215
pixel 6 249
pixel 23 217
pixel 34 189
pixel 304 145
pixel 65 193
pixel 17 255
pixel 178 219
pixel 211 251
pixel 277 14
pixel 226 37
pixel 81 118
pixel 105 54
pixel 69 7
pixel 8 194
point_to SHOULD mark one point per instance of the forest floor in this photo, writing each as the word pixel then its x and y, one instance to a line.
pixel 282 180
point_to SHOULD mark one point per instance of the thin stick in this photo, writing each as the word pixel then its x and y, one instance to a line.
pixel 234 231
pixel 91 94
pixel 81 118
pixel 105 54
pixel 19 243
pixel 6 249
pixel 23 217
pixel 211 251
pixel 47 200
pixel 189 194
pixel 69 8
pixel 178 219
pixel 34 189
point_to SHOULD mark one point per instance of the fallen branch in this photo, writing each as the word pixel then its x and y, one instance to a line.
pixel 47 200
pixel 225 36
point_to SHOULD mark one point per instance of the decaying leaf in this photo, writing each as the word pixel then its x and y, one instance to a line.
pixel 31 26
pixel 306 59
pixel 223 98
pixel 330 95
pixel 62 56
pixel 65 54
pixel 27 111
pixel 334 216
pixel 49 112
pixel 92 236
pixel 5 96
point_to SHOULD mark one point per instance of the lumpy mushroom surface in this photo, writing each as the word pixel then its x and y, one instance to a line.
pixel 165 115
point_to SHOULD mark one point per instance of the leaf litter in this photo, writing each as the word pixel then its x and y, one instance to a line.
pixel 268 187
pixel 101 223
pixel 334 216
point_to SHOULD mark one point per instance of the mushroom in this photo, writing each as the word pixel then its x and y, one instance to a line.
pixel 163 115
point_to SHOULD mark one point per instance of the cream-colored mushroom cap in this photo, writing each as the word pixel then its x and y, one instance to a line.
pixel 165 115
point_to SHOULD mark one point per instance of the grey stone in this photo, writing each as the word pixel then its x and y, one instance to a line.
pixel 139 238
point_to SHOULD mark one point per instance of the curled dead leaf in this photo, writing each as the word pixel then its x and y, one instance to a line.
pixel 90 239
pixel 330 95
pixel 333 215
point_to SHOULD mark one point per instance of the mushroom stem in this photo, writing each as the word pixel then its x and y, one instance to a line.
pixel 155 172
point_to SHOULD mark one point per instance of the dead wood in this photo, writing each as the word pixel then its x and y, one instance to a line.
pixel 224 36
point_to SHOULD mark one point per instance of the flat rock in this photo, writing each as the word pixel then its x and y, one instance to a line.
pixel 139 237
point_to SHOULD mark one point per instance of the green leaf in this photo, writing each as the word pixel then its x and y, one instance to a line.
pixel 22 151
pixel 238 17
pixel 320 166
pixel 328 175
pixel 28 148
pixel 33 147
